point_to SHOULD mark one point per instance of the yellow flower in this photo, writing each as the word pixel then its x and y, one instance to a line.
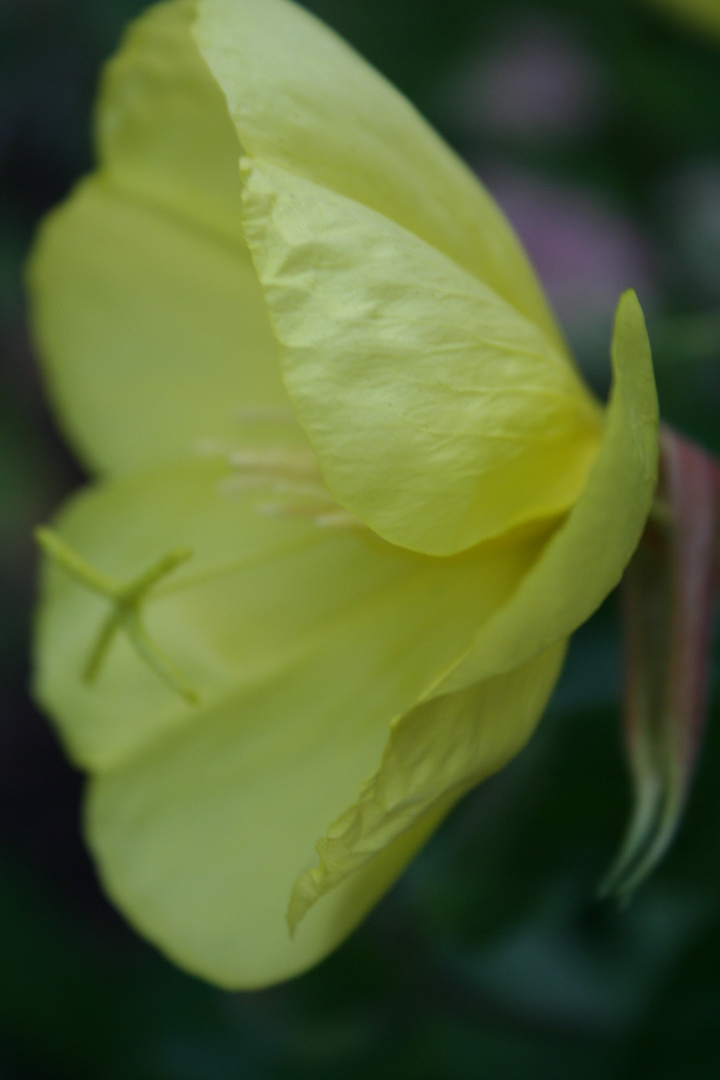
pixel 331 375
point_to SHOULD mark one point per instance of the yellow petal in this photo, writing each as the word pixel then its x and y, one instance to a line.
pixel 303 100
pixel 260 595
pixel 435 753
pixel 485 710
pixel 147 312
pixel 585 559
pixel 162 129
pixel 200 841
pixel 440 416
pixel 153 334
pixel 303 644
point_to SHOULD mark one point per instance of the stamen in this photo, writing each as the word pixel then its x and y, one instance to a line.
pixel 339 519
pixel 285 462
pixel 265 415
pixel 288 471
pixel 327 514
pixel 233 485
pixel 127 599
pixel 287 509
pixel 213 448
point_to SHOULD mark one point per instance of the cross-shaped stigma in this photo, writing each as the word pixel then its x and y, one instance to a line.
pixel 127 599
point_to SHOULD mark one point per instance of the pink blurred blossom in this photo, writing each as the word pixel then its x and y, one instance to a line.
pixel 585 251
pixel 538 84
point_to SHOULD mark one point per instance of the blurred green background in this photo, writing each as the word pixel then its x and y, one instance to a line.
pixel 596 123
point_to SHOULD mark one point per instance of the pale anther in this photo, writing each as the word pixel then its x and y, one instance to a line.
pixel 293 474
pixel 338 519
pixel 265 415
pixel 326 515
pixel 286 462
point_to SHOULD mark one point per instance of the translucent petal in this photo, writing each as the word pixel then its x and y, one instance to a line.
pixel 261 594
pixel 153 334
pixel 303 100
pixel 586 557
pixel 487 707
pixel 440 416
pixel 435 754
pixel 303 644
pixel 147 312
pixel 162 129
pixel 199 844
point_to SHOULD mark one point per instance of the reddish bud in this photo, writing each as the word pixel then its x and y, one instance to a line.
pixel 670 595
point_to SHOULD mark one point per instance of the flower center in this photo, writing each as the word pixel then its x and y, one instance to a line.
pixel 291 474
